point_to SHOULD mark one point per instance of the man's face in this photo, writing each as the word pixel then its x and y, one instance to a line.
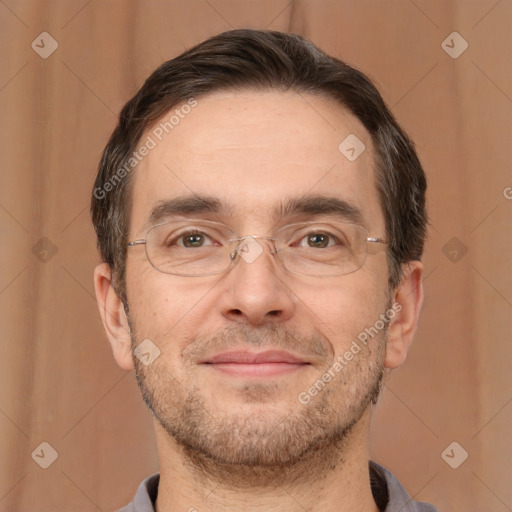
pixel 254 152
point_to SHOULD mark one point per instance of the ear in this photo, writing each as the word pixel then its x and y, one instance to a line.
pixel 113 316
pixel 408 298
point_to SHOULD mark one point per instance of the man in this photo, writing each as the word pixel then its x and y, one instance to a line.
pixel 261 219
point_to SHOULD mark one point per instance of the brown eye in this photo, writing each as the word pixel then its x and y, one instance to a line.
pixel 192 240
pixel 318 240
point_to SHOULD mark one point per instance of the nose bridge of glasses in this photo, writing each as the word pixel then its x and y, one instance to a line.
pixel 250 247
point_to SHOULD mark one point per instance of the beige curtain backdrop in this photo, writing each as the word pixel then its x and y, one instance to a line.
pixel 59 384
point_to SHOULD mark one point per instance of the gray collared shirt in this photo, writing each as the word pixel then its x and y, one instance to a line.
pixel 387 491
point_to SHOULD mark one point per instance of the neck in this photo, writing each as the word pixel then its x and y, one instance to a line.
pixel 331 478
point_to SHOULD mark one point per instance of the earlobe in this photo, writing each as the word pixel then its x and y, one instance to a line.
pixel 113 316
pixel 408 298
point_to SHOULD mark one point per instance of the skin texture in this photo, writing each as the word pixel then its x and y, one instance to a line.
pixel 230 442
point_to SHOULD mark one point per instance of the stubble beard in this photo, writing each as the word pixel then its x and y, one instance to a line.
pixel 291 442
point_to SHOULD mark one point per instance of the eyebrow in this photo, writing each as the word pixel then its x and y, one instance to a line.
pixel 321 205
pixel 195 205
pixel 185 205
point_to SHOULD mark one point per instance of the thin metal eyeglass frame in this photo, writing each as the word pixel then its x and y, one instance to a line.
pixel 233 254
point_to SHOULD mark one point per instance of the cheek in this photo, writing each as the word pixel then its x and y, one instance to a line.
pixel 343 308
pixel 164 306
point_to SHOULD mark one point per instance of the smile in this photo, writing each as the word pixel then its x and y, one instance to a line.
pixel 250 364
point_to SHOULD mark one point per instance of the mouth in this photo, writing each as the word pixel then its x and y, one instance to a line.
pixel 251 364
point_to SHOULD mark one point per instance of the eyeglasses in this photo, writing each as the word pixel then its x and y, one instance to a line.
pixel 202 248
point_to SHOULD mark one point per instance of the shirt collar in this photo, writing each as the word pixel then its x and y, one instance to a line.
pixel 388 493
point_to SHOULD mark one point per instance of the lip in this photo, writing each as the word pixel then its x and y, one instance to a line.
pixel 245 357
pixel 256 364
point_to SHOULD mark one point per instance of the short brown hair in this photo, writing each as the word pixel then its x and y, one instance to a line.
pixel 263 60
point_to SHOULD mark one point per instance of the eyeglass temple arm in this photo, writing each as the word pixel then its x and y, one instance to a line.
pixel 136 242
pixel 374 240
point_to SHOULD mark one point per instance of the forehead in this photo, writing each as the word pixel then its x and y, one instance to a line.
pixel 254 151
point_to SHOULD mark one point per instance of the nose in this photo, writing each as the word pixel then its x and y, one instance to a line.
pixel 256 289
